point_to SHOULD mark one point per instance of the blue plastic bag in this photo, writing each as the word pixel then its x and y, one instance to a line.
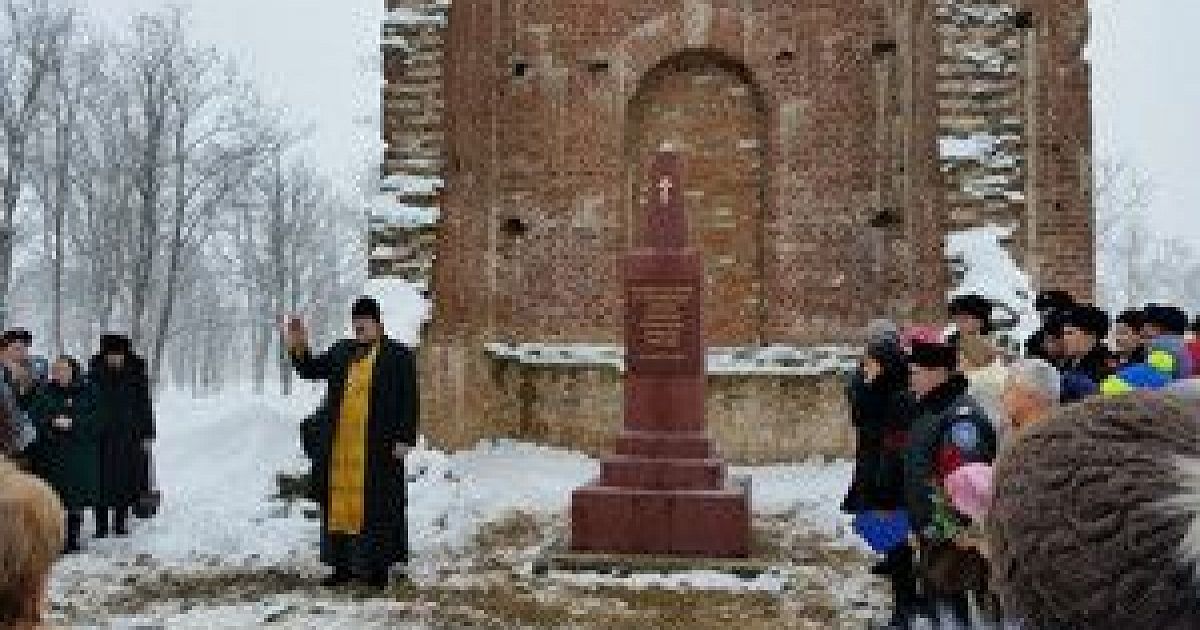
pixel 883 531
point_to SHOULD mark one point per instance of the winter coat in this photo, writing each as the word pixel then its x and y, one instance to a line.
pixel 392 419
pixel 1193 348
pixel 124 426
pixel 66 458
pixel 16 431
pixel 1171 352
pixel 1122 361
pixel 882 414
pixel 951 430
pixel 8 422
pixel 1076 386
pixel 1096 365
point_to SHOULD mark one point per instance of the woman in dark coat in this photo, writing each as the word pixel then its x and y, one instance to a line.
pixel 882 408
pixel 66 453
pixel 364 432
pixel 119 391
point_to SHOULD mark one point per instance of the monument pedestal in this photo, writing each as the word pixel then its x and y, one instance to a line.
pixel 664 491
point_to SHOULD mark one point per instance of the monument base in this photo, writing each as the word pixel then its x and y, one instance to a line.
pixel 632 521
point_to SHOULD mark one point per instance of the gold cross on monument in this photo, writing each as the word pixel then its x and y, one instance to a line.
pixel 665 185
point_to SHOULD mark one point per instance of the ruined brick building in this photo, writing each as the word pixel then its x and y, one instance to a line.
pixel 829 147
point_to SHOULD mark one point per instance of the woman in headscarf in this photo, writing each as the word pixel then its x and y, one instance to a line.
pixel 881 409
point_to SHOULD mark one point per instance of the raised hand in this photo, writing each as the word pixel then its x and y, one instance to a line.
pixel 295 333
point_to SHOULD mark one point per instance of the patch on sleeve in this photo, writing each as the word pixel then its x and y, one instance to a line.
pixel 965 435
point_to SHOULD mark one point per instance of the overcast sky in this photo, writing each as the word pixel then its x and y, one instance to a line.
pixel 313 55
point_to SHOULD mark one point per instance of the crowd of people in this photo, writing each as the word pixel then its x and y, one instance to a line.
pixel 87 432
pixel 926 440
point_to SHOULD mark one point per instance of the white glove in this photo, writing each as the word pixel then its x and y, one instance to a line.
pixel 62 423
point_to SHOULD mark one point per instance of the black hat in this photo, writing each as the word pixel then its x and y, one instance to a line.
pixel 1087 318
pixel 17 335
pixel 1196 325
pixel 114 344
pixel 1053 322
pixel 1133 318
pixel 366 308
pixel 1170 318
pixel 1053 301
pixel 973 305
pixel 933 355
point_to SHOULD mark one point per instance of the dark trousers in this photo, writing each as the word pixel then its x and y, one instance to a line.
pixel 119 521
pixel 950 575
pixel 350 555
pixel 902 573
pixel 900 569
pixel 74 527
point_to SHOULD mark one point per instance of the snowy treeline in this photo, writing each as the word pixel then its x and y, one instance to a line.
pixel 1138 261
pixel 148 189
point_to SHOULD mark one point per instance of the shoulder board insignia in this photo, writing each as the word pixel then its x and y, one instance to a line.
pixel 965 435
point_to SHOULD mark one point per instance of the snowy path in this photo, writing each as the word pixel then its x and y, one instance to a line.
pixel 223 555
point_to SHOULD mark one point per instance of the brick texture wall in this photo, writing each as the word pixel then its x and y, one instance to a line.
pixel 819 183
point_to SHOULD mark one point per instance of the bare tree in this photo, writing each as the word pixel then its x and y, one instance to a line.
pixel 158 178
pixel 32 33
pixel 216 141
pixel 1123 238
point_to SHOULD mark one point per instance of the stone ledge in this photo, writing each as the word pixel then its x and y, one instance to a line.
pixel 774 360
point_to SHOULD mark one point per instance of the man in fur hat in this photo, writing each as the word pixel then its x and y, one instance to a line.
pixel 951 430
pixel 1046 343
pixel 1128 343
pixel 1166 328
pixel 358 467
pixel 971 315
pixel 1084 329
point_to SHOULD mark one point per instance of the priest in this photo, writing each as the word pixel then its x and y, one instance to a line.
pixel 358 460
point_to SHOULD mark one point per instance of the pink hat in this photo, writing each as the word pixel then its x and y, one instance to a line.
pixel 970 490
pixel 921 333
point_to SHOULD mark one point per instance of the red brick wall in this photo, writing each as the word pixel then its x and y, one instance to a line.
pixel 835 216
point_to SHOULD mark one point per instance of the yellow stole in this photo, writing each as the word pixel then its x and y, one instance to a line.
pixel 348 470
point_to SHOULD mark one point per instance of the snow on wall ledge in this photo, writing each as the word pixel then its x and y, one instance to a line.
pixel 776 360
pixel 392 213
pixel 981 264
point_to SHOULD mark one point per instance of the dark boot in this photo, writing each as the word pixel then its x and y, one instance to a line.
pixel 121 521
pixel 74 525
pixel 101 522
pixel 903 578
pixel 340 577
pixel 379 579
pixel 955 609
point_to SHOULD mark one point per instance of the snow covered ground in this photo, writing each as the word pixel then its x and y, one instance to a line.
pixel 224 554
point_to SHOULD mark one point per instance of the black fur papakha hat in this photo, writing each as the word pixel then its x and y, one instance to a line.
pixel 933 355
pixel 366 308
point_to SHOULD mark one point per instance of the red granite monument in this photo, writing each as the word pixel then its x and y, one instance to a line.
pixel 665 491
